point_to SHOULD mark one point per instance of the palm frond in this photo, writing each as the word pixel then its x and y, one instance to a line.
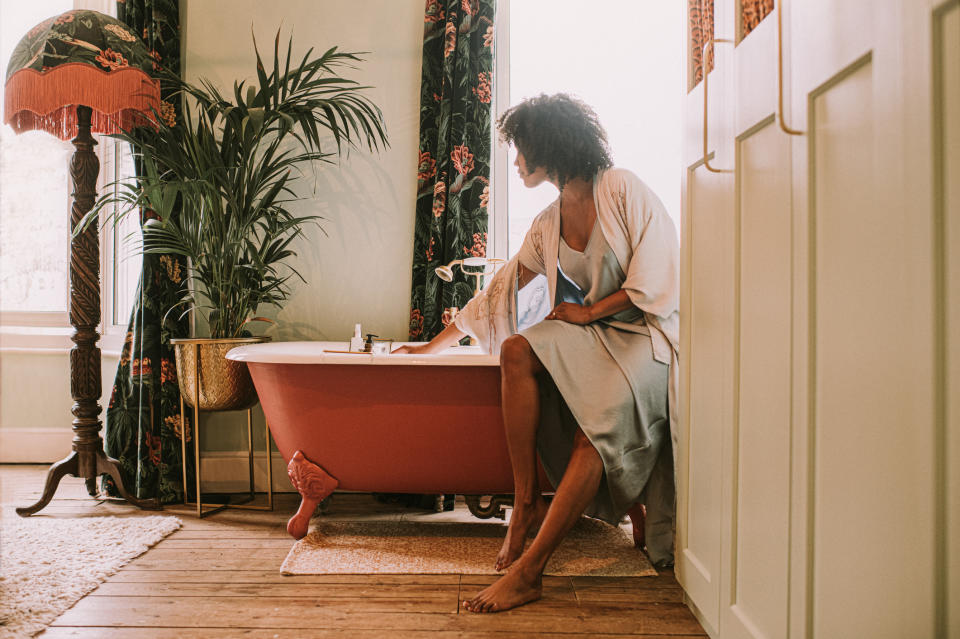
pixel 221 180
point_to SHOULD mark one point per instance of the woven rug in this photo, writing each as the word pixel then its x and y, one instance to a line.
pixel 48 563
pixel 592 548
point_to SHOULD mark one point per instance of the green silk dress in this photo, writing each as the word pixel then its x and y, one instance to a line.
pixel 603 378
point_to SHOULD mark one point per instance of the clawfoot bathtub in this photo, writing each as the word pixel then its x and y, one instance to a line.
pixel 382 423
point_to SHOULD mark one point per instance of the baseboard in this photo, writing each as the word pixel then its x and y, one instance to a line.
pixel 713 634
pixel 221 471
pixel 227 472
pixel 35 445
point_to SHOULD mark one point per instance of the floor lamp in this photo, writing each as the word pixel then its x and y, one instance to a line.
pixel 79 73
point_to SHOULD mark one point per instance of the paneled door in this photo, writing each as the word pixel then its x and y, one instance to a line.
pixel 932 177
pixel 757 471
pixel 945 62
pixel 706 311
pixel 944 38
pixel 867 540
pixel 819 466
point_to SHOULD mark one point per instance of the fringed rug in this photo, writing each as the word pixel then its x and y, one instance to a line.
pixel 48 563
pixel 592 548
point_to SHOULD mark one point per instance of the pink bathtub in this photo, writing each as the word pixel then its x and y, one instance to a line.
pixel 383 423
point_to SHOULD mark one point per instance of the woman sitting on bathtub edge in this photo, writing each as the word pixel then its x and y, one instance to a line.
pixel 587 388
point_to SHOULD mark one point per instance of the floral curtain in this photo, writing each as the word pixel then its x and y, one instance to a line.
pixel 752 12
pixel 453 175
pixel 143 428
pixel 700 15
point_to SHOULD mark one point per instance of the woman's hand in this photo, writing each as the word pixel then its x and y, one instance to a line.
pixel 577 314
pixel 572 313
pixel 419 349
pixel 447 337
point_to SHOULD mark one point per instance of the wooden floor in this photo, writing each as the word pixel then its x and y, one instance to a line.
pixel 219 577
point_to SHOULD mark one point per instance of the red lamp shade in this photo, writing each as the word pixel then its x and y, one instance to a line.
pixel 80 58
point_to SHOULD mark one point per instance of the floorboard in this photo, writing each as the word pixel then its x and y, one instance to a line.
pixel 219 577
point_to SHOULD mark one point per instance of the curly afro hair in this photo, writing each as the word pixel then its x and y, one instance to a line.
pixel 559 133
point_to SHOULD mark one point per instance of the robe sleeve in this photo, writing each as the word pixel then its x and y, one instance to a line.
pixel 653 273
pixel 491 316
pixel 531 251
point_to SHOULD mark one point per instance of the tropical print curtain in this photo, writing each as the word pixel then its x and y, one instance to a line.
pixel 143 428
pixel 453 175
pixel 752 13
pixel 700 14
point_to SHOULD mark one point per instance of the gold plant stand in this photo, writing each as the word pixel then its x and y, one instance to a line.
pixel 194 345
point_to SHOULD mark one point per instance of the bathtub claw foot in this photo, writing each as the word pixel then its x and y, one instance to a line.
pixel 314 485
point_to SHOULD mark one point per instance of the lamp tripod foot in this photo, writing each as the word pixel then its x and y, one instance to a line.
pixel 109 466
pixel 67 466
pixel 70 465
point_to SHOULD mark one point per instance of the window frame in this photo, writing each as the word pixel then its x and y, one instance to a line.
pixel 497 220
pixel 49 331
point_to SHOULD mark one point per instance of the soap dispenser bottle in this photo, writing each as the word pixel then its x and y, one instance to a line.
pixel 356 342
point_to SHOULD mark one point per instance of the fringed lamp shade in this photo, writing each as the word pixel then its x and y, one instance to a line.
pixel 75 74
pixel 80 58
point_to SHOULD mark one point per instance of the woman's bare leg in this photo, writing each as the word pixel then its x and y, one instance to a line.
pixel 520 399
pixel 522 584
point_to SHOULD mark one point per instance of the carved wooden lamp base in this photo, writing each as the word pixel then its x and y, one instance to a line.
pixel 71 465
pixel 88 459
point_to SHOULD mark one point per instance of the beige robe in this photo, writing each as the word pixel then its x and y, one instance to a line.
pixel 641 234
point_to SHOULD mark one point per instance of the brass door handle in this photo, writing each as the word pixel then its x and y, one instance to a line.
pixel 780 119
pixel 706 73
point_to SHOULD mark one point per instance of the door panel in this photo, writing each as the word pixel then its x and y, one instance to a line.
pixel 761 447
pixel 757 472
pixel 865 455
pixel 869 527
pixel 755 61
pixel 706 328
pixel 708 390
pixel 851 358
pixel 947 127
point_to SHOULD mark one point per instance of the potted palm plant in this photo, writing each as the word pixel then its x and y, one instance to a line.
pixel 218 185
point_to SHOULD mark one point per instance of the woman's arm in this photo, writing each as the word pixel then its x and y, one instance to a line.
pixel 447 337
pixel 451 334
pixel 579 314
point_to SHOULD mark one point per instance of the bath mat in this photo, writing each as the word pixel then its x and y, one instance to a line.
pixel 51 562
pixel 592 548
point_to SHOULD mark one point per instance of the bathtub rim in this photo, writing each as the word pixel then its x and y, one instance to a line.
pixel 313 352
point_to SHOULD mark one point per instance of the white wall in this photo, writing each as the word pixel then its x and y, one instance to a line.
pixel 35 402
pixel 360 270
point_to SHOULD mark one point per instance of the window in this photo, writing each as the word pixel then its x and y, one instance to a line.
pixel 622 57
pixel 34 217
pixel 34 194
pixel 119 244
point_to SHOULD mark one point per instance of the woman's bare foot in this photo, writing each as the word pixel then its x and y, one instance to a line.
pixel 522 520
pixel 512 590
